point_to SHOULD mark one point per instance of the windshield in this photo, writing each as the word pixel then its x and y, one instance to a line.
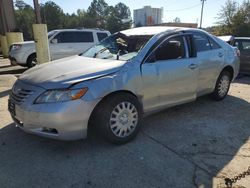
pixel 51 33
pixel 118 46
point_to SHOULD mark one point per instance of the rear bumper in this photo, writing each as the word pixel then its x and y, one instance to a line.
pixel 64 121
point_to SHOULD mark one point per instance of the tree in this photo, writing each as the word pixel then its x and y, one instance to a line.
pixel 52 15
pixel 234 19
pixel 119 18
pixel 25 17
pixel 99 14
pixel 241 20
pixel 226 15
pixel 20 4
pixel 98 11
pixel 177 20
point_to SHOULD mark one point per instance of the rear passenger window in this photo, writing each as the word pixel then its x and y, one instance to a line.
pixel 74 37
pixel 214 44
pixel 65 37
pixel 246 45
pixel 101 36
pixel 201 42
pixel 84 37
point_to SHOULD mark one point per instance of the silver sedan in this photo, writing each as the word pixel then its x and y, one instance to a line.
pixel 126 76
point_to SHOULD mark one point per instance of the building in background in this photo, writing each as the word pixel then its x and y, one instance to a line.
pixel 148 16
pixel 179 24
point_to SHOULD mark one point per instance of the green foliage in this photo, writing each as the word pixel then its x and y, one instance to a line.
pixel 52 15
pixel 118 18
pixel 177 20
pixel 25 17
pixel 98 15
pixel 98 10
pixel 234 19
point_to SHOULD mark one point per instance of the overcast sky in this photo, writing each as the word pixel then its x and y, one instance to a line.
pixel 187 10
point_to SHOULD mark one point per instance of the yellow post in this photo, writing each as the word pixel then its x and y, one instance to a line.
pixel 13 37
pixel 42 43
pixel 0 44
pixel 4 45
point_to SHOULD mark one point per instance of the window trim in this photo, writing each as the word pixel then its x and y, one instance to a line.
pixel 211 39
pixel 61 33
pixel 201 34
pixel 183 35
pixel 98 32
pixel 92 36
pixel 73 32
pixel 242 41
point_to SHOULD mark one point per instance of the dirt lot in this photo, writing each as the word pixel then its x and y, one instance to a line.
pixel 192 145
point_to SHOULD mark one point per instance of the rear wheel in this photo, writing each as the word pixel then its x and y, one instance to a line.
pixel 118 118
pixel 222 86
pixel 32 61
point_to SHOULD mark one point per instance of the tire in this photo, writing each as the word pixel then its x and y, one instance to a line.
pixel 118 118
pixel 31 61
pixel 222 86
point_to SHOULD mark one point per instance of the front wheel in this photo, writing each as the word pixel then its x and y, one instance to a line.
pixel 32 61
pixel 222 86
pixel 118 118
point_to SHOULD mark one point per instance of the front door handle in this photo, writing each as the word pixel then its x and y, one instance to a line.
pixel 193 66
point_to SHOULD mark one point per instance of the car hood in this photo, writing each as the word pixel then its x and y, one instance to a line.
pixel 64 72
pixel 26 43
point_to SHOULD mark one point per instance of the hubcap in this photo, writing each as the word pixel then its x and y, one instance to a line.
pixel 224 85
pixel 33 62
pixel 123 119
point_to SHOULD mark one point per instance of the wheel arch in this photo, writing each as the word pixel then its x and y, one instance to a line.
pixel 29 56
pixel 106 97
pixel 230 70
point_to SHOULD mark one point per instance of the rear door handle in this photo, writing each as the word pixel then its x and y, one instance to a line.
pixel 193 66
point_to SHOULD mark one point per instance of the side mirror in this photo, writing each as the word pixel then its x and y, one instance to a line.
pixel 54 41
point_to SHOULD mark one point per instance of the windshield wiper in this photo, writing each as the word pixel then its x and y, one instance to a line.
pixel 118 55
pixel 100 51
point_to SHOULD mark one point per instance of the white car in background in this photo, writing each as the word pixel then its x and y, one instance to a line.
pixel 62 43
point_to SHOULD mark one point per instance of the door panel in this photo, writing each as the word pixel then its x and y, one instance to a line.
pixel 61 50
pixel 71 43
pixel 169 76
pixel 169 82
pixel 81 47
pixel 209 65
pixel 245 61
pixel 210 57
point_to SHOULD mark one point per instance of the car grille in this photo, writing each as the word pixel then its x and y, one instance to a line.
pixel 19 95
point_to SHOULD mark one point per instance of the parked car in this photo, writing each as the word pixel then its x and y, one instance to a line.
pixel 62 43
pixel 243 44
pixel 115 83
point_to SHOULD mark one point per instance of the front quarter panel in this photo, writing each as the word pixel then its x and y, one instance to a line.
pixel 126 79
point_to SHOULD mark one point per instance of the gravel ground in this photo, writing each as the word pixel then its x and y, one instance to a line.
pixel 193 145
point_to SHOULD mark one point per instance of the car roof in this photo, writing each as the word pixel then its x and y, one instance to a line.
pixel 154 30
pixel 244 38
pixel 82 29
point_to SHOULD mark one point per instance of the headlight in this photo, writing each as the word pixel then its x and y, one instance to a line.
pixel 60 95
pixel 16 46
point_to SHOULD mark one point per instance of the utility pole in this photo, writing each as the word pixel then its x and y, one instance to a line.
pixel 37 12
pixel 8 31
pixel 203 1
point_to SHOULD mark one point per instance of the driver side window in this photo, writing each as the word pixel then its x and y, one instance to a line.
pixel 173 48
